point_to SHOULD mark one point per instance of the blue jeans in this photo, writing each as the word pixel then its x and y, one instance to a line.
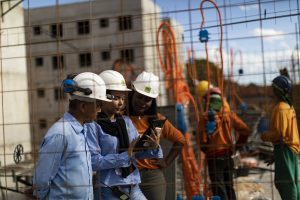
pixel 106 193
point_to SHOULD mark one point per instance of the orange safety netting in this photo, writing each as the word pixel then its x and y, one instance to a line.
pixel 190 168
pixel 220 75
pixel 170 65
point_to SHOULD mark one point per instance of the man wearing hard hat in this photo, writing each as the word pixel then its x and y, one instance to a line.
pixel 64 170
pixel 202 88
pixel 217 142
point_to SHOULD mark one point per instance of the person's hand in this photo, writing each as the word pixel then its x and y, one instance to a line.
pixel 269 161
pixel 154 139
pixel 263 125
pixel 158 131
pixel 130 151
pixel 243 106
pixel 160 162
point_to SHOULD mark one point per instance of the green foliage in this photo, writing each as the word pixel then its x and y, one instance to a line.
pixel 202 70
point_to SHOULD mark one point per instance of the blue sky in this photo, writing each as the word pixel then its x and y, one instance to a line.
pixel 279 34
pixel 279 41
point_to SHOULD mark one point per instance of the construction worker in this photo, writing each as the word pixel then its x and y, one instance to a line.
pixel 143 113
pixel 202 88
pixel 111 140
pixel 64 170
pixel 283 133
pixel 217 142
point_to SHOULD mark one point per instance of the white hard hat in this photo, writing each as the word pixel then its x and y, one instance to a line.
pixel 114 80
pixel 147 84
pixel 93 82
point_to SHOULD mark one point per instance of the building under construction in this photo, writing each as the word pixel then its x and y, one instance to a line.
pixel 237 46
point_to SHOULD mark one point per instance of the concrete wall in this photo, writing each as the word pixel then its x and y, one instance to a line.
pixel 14 106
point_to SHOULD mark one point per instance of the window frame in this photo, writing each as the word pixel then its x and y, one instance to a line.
pixel 127 55
pixel 56 30
pixel 37 30
pixel 125 22
pixel 58 63
pixel 85 59
pixel 43 123
pixel 41 92
pixel 83 27
pixel 39 61
pixel 59 94
pixel 104 22
pixel 105 55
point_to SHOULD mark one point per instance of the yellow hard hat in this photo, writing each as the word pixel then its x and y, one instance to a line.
pixel 202 88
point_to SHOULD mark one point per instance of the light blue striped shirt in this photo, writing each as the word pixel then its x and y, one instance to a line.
pixel 64 169
pixel 107 160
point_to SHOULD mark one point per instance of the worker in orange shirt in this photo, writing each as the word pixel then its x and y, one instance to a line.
pixel 143 111
pixel 283 133
pixel 201 91
pixel 217 142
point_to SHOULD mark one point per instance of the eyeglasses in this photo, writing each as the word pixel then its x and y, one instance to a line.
pixel 114 97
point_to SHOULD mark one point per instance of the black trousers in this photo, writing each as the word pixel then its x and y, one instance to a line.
pixel 220 171
pixel 153 184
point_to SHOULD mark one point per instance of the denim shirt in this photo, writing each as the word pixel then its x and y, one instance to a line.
pixel 64 170
pixel 106 159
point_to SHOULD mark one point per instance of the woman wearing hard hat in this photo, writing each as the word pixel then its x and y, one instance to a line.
pixel 111 140
pixel 142 111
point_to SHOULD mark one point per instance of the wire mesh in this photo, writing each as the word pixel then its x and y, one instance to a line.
pixel 44 41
